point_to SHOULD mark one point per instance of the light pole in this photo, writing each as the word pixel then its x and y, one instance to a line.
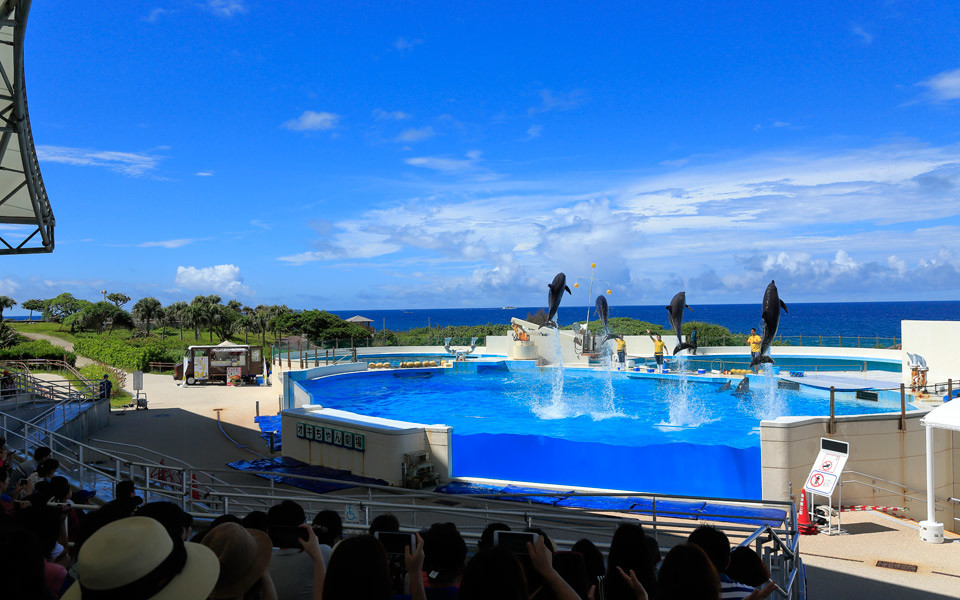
pixel 590 293
pixel 104 292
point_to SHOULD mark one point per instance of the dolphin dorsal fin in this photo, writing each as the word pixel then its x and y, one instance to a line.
pixel 667 307
pixel 783 305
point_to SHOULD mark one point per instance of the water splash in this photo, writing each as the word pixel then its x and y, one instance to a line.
pixel 768 402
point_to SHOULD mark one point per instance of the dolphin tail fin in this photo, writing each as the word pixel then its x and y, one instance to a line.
pixel 761 359
pixel 783 305
pixel 683 346
pixel 567 287
pixel 550 325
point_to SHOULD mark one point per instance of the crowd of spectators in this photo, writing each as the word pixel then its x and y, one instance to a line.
pixel 134 551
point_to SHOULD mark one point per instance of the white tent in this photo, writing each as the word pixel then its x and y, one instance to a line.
pixel 945 416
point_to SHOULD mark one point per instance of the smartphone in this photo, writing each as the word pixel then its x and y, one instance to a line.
pixel 515 541
pixel 395 542
pixel 287 536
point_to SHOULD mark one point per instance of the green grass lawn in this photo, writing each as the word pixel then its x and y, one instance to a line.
pixel 167 337
pixel 118 397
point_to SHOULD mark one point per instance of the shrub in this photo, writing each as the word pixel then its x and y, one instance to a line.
pixel 37 349
pixel 117 353
pixel 96 373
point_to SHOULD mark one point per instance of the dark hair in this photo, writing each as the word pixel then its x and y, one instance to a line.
pixel 572 567
pixel 747 567
pixel 173 518
pixel 45 522
pixel 593 559
pixel 687 574
pixel 59 488
pixel 628 550
pixel 256 519
pixel 546 538
pixel 22 564
pixel 124 488
pixel 358 569
pixel 48 467
pixel 493 573
pixel 654 547
pixel 328 527
pixel 486 538
pixel 284 515
pixel 444 552
pixel 385 522
pixel 714 543
pixel 41 452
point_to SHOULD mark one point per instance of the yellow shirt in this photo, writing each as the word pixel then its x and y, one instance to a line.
pixel 621 345
pixel 658 346
pixel 754 341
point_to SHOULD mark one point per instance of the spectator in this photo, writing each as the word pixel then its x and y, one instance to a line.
pixel 493 573
pixel 687 574
pixel 358 569
pixel 174 519
pixel 24 573
pixel 244 557
pixel 106 387
pixel 747 567
pixel 138 551
pixel 628 552
pixel 329 529
pixel 486 538
pixel 596 569
pixel 44 472
pixel 4 453
pixel 444 556
pixel 125 489
pixel 228 518
pixel 385 522
pixel 40 454
pixel 573 569
pixel 292 569
pixel 256 519
pixel 6 502
pixel 716 546
pixel 654 547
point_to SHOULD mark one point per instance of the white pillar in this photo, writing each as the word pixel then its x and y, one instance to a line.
pixel 930 530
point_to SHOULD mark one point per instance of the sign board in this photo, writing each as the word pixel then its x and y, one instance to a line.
pixel 201 367
pixel 234 372
pixel 137 380
pixel 827 468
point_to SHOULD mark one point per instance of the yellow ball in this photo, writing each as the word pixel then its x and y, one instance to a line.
pixel 609 292
pixel 576 285
pixel 417 363
pixel 593 265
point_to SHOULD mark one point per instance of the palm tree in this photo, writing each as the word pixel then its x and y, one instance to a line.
pixel 5 303
pixel 176 313
pixel 146 309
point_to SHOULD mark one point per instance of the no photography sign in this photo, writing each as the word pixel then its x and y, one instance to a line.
pixel 826 469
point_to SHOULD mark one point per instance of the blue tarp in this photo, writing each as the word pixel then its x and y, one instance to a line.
pixel 270 424
pixel 286 465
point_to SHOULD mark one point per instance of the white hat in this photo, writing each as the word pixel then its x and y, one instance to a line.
pixel 136 559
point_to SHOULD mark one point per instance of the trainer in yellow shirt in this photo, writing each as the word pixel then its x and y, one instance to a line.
pixel 658 348
pixel 754 340
pixel 621 350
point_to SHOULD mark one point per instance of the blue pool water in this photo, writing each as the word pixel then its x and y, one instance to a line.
pixel 589 427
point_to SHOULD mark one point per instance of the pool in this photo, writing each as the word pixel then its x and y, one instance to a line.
pixel 587 427
pixel 788 362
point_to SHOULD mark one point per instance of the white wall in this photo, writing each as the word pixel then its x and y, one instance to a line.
pixel 938 342
pixel 386 441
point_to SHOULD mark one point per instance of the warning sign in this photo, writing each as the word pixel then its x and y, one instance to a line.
pixel 828 467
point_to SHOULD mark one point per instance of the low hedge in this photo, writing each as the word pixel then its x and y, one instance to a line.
pixel 120 354
pixel 37 349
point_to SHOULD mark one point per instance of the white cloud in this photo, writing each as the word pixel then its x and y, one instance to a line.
pixel 533 132
pixel 224 279
pixel 154 15
pixel 447 165
pixel 416 135
pixel 405 45
pixel 128 163
pixel 260 224
pixel 179 243
pixel 204 174
pixel 396 115
pixel 8 286
pixel 313 121
pixel 679 162
pixel 550 100
pixel 943 87
pixel 865 37
pixel 226 8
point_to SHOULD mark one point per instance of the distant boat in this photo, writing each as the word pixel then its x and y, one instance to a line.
pixel 508 308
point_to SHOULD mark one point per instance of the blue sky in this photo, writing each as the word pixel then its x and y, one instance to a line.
pixel 417 155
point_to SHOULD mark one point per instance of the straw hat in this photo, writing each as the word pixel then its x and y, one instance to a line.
pixel 135 559
pixel 244 556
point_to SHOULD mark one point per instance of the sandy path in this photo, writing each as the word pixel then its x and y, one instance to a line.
pixel 68 346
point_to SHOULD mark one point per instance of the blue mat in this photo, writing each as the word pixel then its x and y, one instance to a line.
pixel 270 424
pixel 282 465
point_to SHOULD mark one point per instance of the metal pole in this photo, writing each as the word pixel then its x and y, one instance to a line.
pixel 931 507
pixel 288 355
pixel 833 423
pixel 258 408
pixel 949 390
pixel 300 351
pixel 903 409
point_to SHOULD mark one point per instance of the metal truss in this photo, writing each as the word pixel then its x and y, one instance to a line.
pixel 26 219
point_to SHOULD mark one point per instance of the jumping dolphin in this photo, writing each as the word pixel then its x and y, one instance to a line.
pixel 742 388
pixel 603 311
pixel 771 321
pixel 724 387
pixel 675 313
pixel 553 299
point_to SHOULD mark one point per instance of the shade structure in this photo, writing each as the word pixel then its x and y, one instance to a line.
pixel 26 219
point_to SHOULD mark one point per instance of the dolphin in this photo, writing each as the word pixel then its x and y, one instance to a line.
pixel 742 388
pixel 553 299
pixel 675 313
pixel 770 313
pixel 603 311
pixel 724 387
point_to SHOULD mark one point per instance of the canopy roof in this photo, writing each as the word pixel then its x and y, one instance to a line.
pixel 945 416
pixel 26 219
pixel 358 319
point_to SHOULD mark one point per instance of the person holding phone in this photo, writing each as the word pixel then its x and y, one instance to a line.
pixel 294 567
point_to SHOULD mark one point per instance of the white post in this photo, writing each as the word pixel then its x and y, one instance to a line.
pixel 930 530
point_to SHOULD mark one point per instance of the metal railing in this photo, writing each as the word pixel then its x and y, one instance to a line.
pixel 782 559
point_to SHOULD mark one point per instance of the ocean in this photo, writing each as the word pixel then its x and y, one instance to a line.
pixel 809 319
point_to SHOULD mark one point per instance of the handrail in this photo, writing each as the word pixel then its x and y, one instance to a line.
pixel 905 491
